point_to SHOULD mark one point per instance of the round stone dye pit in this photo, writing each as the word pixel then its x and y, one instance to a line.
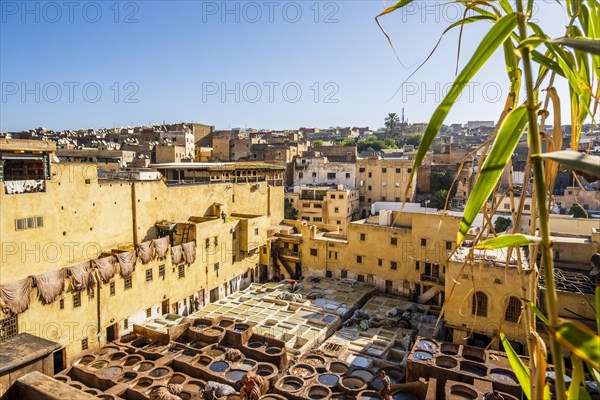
pixel 329 380
pixel 219 366
pixel 235 375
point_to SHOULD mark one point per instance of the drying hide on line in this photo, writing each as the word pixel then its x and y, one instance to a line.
pixel 161 246
pixel 50 285
pixel 81 275
pixel 176 254
pixel 14 295
pixel 189 251
pixel 106 267
pixel 127 261
pixel 146 251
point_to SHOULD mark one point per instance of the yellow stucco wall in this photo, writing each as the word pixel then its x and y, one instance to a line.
pixel 83 218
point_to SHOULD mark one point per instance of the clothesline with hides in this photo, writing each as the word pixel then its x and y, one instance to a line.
pixel 15 295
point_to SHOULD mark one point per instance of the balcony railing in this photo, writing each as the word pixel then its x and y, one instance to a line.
pixel 25 186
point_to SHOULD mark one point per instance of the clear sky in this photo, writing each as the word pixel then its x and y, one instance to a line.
pixel 264 64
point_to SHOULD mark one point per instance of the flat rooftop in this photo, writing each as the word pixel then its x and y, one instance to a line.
pixel 22 349
pixel 222 166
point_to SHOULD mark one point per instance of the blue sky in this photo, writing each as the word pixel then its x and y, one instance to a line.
pixel 271 64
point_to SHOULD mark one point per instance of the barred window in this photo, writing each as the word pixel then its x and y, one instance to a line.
pixel 149 275
pixel 84 344
pixel 148 312
pixel 8 327
pixel 181 271
pixel 76 299
pixel 513 310
pixel 112 288
pixel 480 304
pixel 128 283
pixel 161 270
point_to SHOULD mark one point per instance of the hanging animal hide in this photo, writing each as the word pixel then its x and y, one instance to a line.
pixel 81 275
pixel 146 251
pixel 161 246
pixel 106 268
pixel 176 254
pixel 50 285
pixel 14 295
pixel 127 261
pixel 189 251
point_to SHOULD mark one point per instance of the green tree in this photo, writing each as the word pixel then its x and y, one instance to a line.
pixel 391 122
pixel 289 211
pixel 349 142
pixel 316 143
pixel 578 212
pixel 439 199
pixel 501 224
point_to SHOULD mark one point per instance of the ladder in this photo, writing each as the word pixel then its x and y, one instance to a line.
pixel 186 233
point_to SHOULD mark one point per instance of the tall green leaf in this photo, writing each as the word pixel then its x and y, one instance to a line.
pixel 586 45
pixel 578 378
pixel 500 31
pixel 517 365
pixel 509 240
pixel 504 146
pixel 579 339
pixel 578 162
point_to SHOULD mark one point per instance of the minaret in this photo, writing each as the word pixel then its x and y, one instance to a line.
pixel 402 115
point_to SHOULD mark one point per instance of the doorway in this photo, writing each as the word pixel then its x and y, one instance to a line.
pixel 164 308
pixel 58 358
pixel 111 333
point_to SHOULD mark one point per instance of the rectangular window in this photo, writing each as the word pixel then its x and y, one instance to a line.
pixel 128 283
pixel 379 262
pixel 181 271
pixel 347 174
pixel 369 187
pixel 126 323
pixel 148 312
pixel 394 241
pixel 313 252
pixel 328 274
pixel 394 265
pixel 8 327
pixel 161 271
pixel 448 245
pixel 423 242
pixel 112 288
pixel 216 266
pixel 417 266
pixel 360 278
pixel 336 210
pixel 527 207
pixel 317 219
pixel 149 275
pixel 256 231
pixel 344 274
pixel 361 169
pixel 383 170
pixel 76 299
pixel 506 206
pixel 331 175
pixel 84 344
pixel 359 259
pixel 370 175
pixel 332 196
pixel 61 304
pixel 398 170
pixel 29 223
pixel 363 236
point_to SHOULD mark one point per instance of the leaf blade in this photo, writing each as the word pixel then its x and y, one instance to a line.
pixel 517 365
pixel 504 146
pixel 496 36
pixel 508 240
pixel 579 339
pixel 580 162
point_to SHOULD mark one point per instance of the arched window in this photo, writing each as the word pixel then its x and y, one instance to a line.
pixel 480 304
pixel 513 310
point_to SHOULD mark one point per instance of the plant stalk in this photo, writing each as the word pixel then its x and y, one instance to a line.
pixel 540 189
